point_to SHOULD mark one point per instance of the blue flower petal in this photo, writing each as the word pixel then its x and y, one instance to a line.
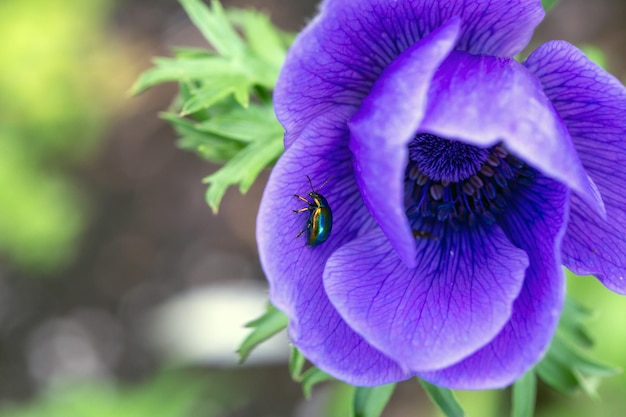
pixel 536 224
pixel 592 104
pixel 384 125
pixel 338 57
pixel 294 270
pixel 455 301
pixel 484 100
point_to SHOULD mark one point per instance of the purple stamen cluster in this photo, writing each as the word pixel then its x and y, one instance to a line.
pixel 475 186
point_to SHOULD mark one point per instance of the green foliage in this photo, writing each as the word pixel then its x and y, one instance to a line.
pixel 371 401
pixel 444 399
pixel 296 363
pixel 263 328
pixel 568 366
pixel 223 111
pixel 524 394
pixel 595 54
pixel 164 396
pixel 311 377
pixel 548 4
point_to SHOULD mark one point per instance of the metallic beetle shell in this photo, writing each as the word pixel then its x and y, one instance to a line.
pixel 320 220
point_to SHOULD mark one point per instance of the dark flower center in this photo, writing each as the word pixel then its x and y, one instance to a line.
pixel 454 183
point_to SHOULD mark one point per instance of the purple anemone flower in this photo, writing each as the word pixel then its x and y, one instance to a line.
pixel 459 182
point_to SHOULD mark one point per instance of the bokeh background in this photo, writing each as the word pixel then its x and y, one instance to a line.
pixel 121 294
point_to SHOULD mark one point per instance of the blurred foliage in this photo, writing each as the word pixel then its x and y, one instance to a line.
pixel 56 92
pixel 167 395
pixel 548 4
pixel 595 54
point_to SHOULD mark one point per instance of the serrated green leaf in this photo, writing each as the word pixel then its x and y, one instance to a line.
pixel 242 95
pixel 577 334
pixel 548 4
pixel 209 146
pixel 311 378
pixel 571 324
pixel 595 54
pixel 215 26
pixel 263 328
pixel 524 396
pixel 187 52
pixel 215 92
pixel 183 69
pixel 444 399
pixel 371 401
pixel 243 168
pixel 185 93
pixel 557 375
pixel 296 363
pixel 567 353
pixel 264 39
pixel 221 86
pixel 245 125
pixel 568 366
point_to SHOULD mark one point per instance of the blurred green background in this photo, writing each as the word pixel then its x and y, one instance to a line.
pixel 121 295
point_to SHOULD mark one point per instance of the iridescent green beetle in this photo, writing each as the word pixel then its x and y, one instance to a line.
pixel 320 220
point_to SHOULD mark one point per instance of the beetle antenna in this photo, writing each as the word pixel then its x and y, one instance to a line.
pixel 325 182
pixel 310 183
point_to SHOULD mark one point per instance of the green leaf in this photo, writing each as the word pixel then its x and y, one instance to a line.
pixel 569 369
pixel 184 69
pixel 571 324
pixel 371 401
pixel 246 125
pixel 568 366
pixel 243 168
pixel 265 40
pixel 312 377
pixel 548 4
pixel 215 26
pixel 221 86
pixel 186 52
pixel 242 94
pixel 209 146
pixel 263 328
pixel 444 399
pixel 569 354
pixel 225 96
pixel 559 376
pixel 595 54
pixel 213 70
pixel 524 395
pixel 296 364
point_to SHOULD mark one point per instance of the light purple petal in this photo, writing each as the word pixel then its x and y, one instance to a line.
pixel 535 223
pixel 483 100
pixel 335 60
pixel 294 270
pixel 455 301
pixel 592 104
pixel 383 126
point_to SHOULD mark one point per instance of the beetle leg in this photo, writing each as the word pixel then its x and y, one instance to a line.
pixel 300 234
pixel 302 210
pixel 303 199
